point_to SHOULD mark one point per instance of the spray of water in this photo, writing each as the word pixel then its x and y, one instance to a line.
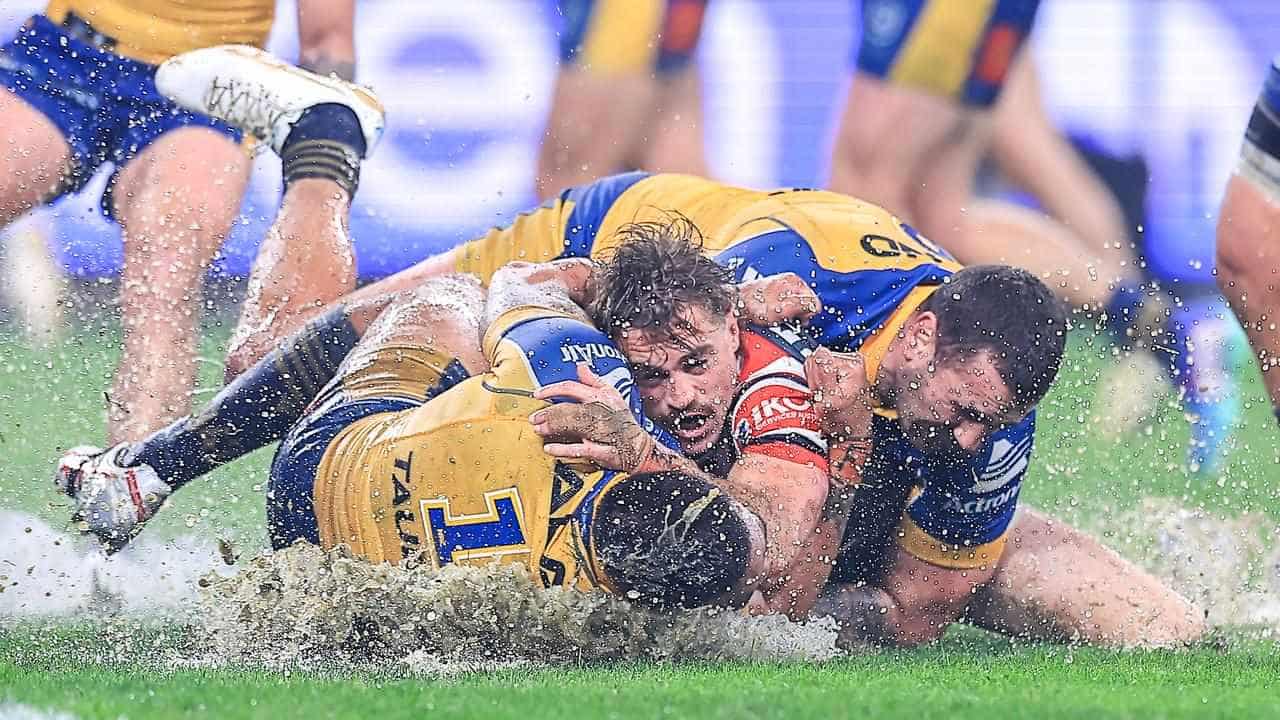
pixel 291 607
pixel 48 573
pixel 1230 566
pixel 304 602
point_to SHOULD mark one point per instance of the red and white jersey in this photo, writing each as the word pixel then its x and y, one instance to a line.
pixel 772 412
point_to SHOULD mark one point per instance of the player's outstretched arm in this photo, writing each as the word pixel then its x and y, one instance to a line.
pixel 913 605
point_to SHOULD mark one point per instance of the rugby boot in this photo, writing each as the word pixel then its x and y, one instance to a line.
pixel 261 94
pixel 112 501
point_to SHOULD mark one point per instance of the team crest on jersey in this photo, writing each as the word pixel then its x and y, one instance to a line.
pixel 1008 460
pixel 621 380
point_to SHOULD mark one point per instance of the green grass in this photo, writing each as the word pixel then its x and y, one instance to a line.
pixel 966 676
pixel 50 399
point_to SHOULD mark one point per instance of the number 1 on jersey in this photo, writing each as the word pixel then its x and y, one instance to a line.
pixel 494 533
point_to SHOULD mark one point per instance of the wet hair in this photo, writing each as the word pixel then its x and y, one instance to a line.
pixel 1009 313
pixel 658 273
pixel 670 540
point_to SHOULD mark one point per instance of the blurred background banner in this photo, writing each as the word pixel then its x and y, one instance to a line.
pixel 467 86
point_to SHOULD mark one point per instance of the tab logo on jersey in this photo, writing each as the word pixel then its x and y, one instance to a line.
pixel 776 407
pixel 1008 461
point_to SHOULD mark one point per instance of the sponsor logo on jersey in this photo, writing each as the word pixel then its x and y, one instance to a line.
pixel 586 352
pixel 984 504
pixel 771 410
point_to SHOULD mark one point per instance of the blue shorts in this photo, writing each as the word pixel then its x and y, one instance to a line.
pixel 291 487
pixel 630 35
pixel 960 49
pixel 106 106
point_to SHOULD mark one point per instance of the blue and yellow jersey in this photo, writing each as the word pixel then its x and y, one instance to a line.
pixel 155 30
pixel 615 37
pixel 960 49
pixel 463 478
pixel 870 270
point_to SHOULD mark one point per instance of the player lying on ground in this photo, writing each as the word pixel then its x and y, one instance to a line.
pixel 403 453
pixel 875 275
pixel 1248 228
pixel 908 565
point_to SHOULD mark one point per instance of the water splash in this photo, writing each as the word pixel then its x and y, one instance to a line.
pixel 304 602
pixel 48 573
pixel 1230 566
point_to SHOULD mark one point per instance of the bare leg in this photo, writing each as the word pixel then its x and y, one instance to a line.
pixel 305 262
pixel 675 141
pixel 1056 583
pixel 175 201
pixel 867 167
pixel 1035 155
pixel 33 281
pixel 1249 271
pixel 596 124
pixel 34 158
pixel 927 175
pixel 443 315
pixel 999 231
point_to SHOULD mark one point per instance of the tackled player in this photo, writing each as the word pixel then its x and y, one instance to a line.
pixel 957 358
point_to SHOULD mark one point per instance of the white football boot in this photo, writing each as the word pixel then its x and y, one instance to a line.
pixel 111 501
pixel 261 94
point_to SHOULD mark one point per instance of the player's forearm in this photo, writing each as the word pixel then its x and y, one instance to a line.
pixel 802 583
pixel 912 605
pixel 804 579
pixel 867 615
pixel 787 497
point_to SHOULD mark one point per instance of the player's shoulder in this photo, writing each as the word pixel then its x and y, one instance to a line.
pixel 775 350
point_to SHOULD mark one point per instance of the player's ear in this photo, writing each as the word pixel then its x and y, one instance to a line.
pixel 736 333
pixel 922 337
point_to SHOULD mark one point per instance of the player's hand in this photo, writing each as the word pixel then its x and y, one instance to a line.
pixel 777 298
pixel 588 388
pixel 841 392
pixel 596 425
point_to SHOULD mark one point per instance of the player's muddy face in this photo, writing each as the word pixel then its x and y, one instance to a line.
pixel 955 406
pixel 687 379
